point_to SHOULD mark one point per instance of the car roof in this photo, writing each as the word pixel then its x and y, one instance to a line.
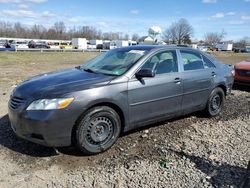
pixel 155 47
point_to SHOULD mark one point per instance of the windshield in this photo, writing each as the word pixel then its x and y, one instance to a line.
pixel 114 62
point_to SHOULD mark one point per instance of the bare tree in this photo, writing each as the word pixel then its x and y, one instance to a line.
pixel 38 31
pixel 19 30
pixel 56 31
pixel 167 36
pixel 126 37
pixel 242 43
pixel 51 34
pixel 60 27
pixel 213 38
pixel 178 32
pixel 135 37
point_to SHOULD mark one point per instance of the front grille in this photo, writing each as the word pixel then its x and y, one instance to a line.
pixel 243 72
pixel 16 102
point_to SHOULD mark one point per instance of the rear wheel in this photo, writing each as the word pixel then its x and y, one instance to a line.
pixel 98 130
pixel 215 102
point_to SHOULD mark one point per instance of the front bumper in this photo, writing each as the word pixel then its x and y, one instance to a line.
pixel 51 128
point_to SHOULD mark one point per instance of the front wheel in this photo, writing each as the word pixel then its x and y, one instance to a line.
pixel 215 102
pixel 98 130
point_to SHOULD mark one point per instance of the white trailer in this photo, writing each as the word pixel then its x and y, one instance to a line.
pixel 132 42
pixel 194 46
pixel 225 47
pixel 121 43
pixel 79 43
pixel 19 44
pixel 95 42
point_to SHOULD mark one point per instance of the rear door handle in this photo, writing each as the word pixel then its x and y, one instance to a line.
pixel 177 80
pixel 213 74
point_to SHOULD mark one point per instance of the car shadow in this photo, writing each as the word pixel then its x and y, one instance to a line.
pixel 219 175
pixel 9 140
pixel 181 126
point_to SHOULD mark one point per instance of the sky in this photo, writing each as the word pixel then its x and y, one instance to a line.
pixel 134 16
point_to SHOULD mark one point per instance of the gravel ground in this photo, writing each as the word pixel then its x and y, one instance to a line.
pixel 190 151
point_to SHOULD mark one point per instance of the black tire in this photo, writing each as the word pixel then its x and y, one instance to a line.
pixel 215 102
pixel 98 130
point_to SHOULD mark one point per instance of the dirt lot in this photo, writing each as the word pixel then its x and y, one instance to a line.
pixel 190 151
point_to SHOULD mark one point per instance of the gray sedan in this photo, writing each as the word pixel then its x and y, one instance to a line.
pixel 118 91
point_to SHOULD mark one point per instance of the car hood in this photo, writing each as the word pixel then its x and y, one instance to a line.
pixel 243 65
pixel 59 83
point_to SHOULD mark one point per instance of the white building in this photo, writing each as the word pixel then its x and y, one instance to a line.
pixel 146 40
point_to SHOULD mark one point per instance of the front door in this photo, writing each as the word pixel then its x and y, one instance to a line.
pixel 159 96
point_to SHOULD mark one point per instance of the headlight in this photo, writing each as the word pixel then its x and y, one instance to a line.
pixel 50 104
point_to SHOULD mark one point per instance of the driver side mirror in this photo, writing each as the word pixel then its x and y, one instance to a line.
pixel 145 73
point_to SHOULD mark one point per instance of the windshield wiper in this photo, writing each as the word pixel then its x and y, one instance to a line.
pixel 89 70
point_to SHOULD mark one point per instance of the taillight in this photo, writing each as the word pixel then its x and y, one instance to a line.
pixel 233 72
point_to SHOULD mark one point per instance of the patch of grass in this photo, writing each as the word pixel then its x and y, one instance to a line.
pixel 230 57
pixel 18 66
pixel 46 57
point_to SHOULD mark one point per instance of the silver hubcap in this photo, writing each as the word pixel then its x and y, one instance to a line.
pixel 99 130
pixel 216 102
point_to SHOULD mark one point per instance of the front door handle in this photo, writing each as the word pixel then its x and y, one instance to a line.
pixel 213 74
pixel 177 80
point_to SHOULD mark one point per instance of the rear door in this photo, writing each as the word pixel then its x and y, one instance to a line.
pixel 197 80
pixel 153 98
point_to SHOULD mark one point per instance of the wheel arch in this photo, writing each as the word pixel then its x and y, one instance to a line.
pixel 223 87
pixel 114 106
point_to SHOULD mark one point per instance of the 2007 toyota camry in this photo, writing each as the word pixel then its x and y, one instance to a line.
pixel 120 90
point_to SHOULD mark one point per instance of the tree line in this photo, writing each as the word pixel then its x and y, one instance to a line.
pixel 180 32
pixel 59 31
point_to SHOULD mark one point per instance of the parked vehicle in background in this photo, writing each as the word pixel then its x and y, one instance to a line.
pixel 245 49
pixel 66 45
pixel 203 48
pixel 6 46
pixel 99 46
pixel 207 48
pixel 109 45
pixel 95 43
pixel 79 43
pixel 242 73
pixel 2 43
pixel 38 44
pixel 132 43
pixel 54 45
pixel 224 46
pixel 42 44
pixel 31 44
pixel 19 44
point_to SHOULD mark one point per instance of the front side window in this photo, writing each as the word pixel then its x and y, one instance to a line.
pixel 163 62
pixel 192 60
pixel 114 62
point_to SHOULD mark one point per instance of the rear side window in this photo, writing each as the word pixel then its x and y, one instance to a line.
pixel 192 60
pixel 207 62
pixel 162 62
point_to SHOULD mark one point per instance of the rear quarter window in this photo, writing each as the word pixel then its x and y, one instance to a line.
pixel 207 62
